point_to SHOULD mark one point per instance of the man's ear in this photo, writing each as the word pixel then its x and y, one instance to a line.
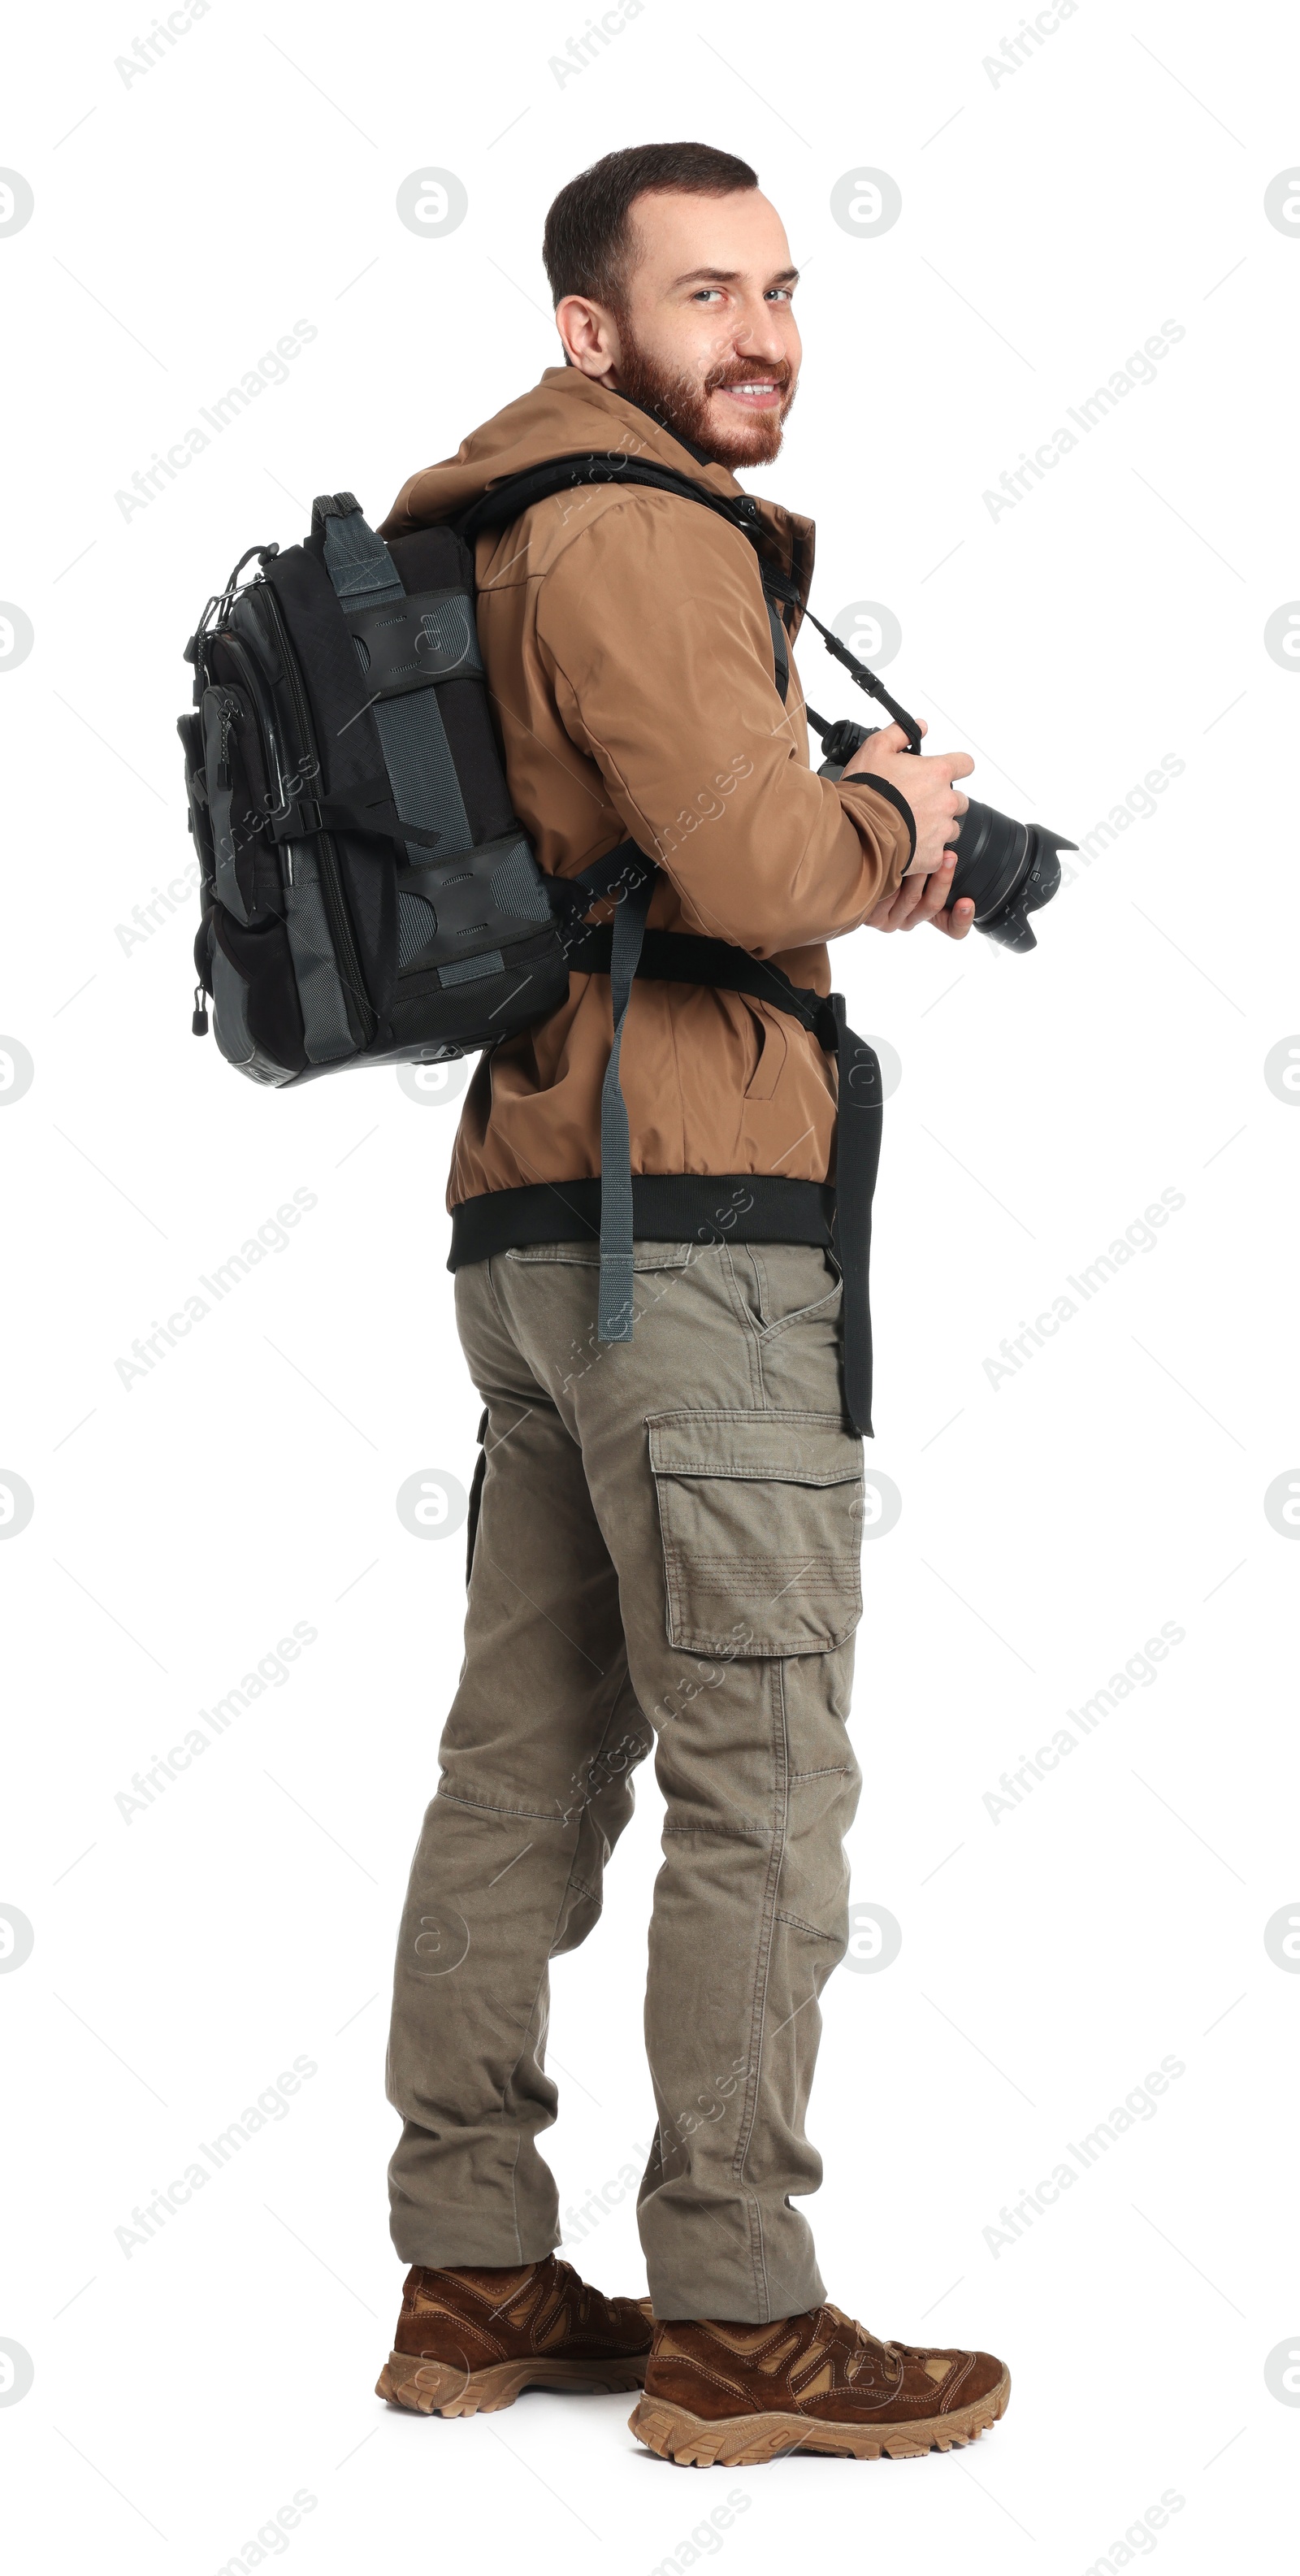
pixel 589 336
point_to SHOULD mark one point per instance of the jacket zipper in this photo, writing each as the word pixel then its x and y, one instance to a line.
pixel 337 913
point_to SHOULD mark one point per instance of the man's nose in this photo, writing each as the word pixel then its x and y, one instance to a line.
pixel 758 334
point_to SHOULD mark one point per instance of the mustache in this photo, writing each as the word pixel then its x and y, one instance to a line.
pixel 778 372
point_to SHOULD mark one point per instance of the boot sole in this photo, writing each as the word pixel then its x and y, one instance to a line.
pixel 441 2388
pixel 747 2441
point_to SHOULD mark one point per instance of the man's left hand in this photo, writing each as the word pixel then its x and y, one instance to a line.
pixel 925 899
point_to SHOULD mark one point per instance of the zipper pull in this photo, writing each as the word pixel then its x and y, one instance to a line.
pixel 199 1023
pixel 229 719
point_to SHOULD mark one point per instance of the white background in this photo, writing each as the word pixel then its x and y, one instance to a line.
pixel 1051 221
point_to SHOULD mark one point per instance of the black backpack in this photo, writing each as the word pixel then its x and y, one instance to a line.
pixel 367 894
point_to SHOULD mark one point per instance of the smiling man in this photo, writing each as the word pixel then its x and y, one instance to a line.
pixel 666 1542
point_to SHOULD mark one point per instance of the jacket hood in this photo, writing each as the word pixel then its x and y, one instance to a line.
pixel 566 414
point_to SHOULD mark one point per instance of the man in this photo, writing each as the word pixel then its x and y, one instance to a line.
pixel 667 1545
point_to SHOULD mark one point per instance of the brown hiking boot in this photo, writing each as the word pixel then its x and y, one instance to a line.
pixel 469 2340
pixel 735 2396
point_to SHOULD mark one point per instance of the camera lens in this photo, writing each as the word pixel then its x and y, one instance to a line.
pixel 1008 870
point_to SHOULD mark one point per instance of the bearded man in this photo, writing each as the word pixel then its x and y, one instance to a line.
pixel 665 1542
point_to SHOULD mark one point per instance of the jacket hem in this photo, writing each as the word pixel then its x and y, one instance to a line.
pixel 667 1207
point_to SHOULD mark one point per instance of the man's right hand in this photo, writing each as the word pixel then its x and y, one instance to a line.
pixel 925 781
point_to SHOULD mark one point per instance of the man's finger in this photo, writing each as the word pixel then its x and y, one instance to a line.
pixel 937 889
pixel 957 922
pixel 905 902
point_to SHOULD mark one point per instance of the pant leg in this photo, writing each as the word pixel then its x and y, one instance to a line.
pixel 727 1487
pixel 536 1756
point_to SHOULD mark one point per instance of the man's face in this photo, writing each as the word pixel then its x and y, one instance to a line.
pixel 706 338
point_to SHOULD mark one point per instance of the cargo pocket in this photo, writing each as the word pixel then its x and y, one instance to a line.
pixel 760 1515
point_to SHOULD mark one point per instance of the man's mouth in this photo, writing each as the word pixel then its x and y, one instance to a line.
pixel 756 393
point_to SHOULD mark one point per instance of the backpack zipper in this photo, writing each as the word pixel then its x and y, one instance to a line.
pixel 229 720
pixel 336 904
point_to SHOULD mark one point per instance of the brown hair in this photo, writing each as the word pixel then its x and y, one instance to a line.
pixel 588 236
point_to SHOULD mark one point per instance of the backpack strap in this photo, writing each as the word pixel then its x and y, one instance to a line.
pixel 412 736
pixel 614 1305
pixel 516 493
pixel 677 957
pixel 628 876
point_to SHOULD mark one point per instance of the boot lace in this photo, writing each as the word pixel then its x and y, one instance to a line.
pixel 864 2347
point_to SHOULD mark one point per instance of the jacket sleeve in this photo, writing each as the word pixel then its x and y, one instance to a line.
pixel 653 625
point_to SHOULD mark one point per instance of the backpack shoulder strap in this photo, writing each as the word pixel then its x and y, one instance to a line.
pixel 516 493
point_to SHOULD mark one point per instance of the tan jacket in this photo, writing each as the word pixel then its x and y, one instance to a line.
pixel 630 664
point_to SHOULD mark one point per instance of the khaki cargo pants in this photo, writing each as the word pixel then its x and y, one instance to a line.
pixel 667 1550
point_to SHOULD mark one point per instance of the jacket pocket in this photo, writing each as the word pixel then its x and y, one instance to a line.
pixel 760 1516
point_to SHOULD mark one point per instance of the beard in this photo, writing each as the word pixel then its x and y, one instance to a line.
pixel 683 404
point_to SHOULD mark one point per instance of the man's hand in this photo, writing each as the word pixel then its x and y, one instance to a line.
pixel 937 807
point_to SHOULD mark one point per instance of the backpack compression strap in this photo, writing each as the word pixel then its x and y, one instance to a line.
pixel 412 736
